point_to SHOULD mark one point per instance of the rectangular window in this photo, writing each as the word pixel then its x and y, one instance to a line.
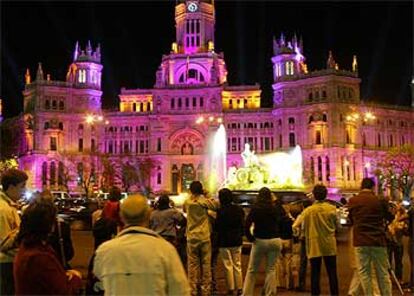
pixel 187 103
pixel 159 144
pixel 201 101
pixel 292 140
pixel 159 178
pixel 266 144
pixel 172 103
pixel 110 147
pixel 194 102
pixel 141 146
pixel 80 145
pixel 53 144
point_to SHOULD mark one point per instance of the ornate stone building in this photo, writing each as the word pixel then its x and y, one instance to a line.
pixel 171 123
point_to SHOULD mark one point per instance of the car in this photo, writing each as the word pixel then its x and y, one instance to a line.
pixel 61 195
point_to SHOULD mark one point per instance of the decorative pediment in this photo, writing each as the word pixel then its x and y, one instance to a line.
pixel 187 142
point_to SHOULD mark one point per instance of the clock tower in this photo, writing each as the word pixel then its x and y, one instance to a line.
pixel 194 26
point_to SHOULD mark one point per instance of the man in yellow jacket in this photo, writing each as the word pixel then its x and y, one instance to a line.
pixel 319 226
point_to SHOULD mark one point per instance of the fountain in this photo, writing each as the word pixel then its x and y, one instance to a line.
pixel 217 160
pixel 277 170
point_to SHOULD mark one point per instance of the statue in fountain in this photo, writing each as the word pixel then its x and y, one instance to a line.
pixel 249 157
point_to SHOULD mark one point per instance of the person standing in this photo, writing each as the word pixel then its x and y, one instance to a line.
pixel 267 218
pixel 368 214
pixel 229 225
pixel 198 238
pixel 165 219
pixel 138 261
pixel 37 270
pixel 319 225
pixel 13 182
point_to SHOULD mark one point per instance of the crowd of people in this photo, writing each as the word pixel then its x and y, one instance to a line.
pixel 166 251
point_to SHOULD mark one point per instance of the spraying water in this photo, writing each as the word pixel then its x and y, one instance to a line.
pixel 218 160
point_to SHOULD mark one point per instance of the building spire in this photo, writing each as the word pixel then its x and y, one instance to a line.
pixel 330 63
pixel 354 64
pixel 76 52
pixel 89 48
pixel 27 77
pixel 39 73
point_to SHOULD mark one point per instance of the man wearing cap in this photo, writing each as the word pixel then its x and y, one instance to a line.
pixel 138 261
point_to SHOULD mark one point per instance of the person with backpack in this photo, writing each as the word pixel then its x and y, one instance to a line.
pixel 13 182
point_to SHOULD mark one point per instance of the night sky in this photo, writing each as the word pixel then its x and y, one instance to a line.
pixel 135 34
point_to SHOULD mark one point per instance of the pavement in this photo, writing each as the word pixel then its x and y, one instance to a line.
pixel 83 244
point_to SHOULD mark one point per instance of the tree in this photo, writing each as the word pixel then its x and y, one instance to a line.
pixel 108 174
pixel 129 175
pixel 145 167
pixel 395 169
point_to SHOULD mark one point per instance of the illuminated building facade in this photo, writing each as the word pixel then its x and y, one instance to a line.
pixel 171 123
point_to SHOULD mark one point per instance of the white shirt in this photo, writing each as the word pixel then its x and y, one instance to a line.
pixel 140 264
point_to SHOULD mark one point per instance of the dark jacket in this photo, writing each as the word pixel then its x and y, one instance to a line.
pixel 229 225
pixel 267 222
pixel 368 214
pixel 37 271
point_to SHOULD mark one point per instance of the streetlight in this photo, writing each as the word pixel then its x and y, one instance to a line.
pixel 362 119
pixel 92 119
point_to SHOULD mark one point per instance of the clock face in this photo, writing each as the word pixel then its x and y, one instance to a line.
pixel 192 7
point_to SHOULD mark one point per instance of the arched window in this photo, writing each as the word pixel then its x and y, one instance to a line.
pixel 52 173
pixel 320 169
pixel 54 104
pixel 192 73
pixel 324 94
pixel 324 118
pixel 291 120
pixel 310 119
pixel 141 108
pixel 61 126
pixel 289 68
pixel 44 173
pixel 134 107
pixel 80 126
pixel 61 105
pixel 328 169
pixel 148 106
pixel 47 104
pixel 180 103
pixel 310 97
pixel 317 94
pixel 172 103
pixel 46 125
pixel 312 170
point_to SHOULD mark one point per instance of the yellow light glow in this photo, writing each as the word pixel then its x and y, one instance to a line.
pixel 211 118
pixel 200 120
pixel 106 121
pixel 219 120
pixel 346 162
pixel 100 118
pixel 89 118
pixel 367 165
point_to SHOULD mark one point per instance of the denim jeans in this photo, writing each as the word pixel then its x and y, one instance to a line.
pixel 270 250
pixel 377 257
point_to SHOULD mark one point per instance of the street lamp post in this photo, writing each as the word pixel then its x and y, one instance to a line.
pixel 360 119
pixel 93 120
